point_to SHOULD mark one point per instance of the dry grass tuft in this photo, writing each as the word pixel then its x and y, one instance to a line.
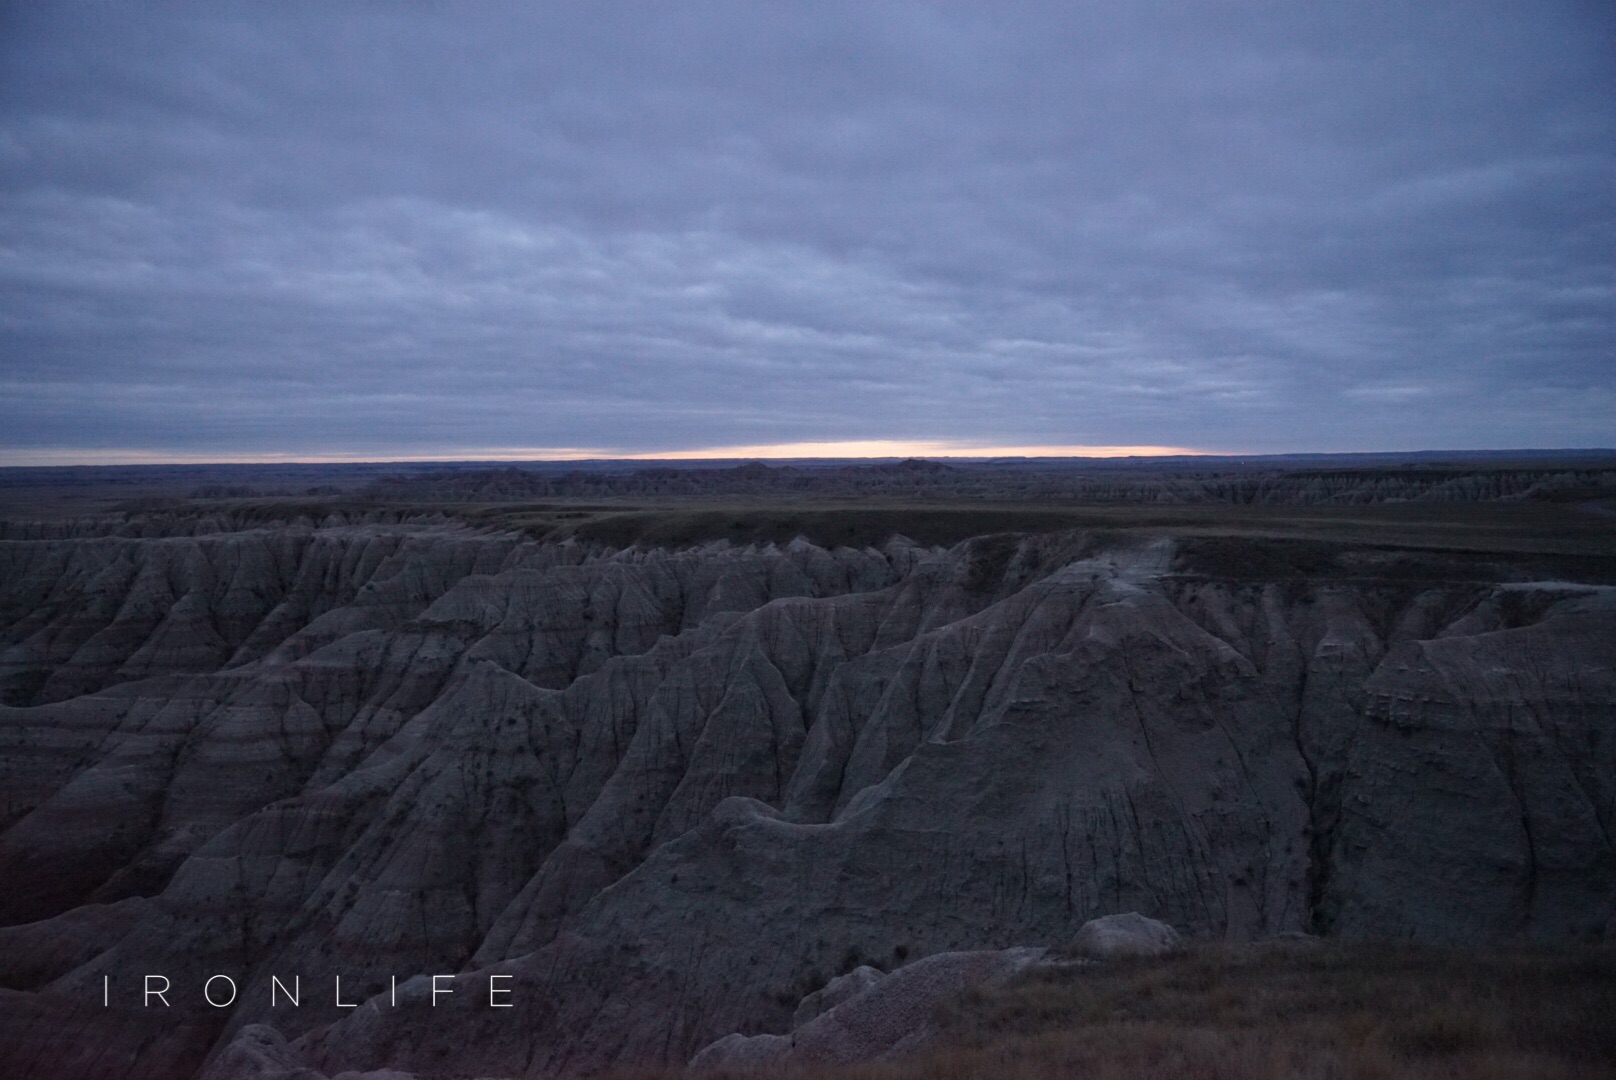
pixel 1291 1010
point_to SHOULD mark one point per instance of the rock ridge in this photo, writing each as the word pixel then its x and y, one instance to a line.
pixel 673 793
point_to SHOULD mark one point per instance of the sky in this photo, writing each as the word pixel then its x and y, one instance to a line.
pixel 410 230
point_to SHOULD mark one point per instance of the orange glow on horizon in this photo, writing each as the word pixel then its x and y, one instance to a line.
pixel 857 448
pixel 899 448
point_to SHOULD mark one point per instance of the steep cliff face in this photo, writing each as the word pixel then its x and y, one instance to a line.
pixel 671 792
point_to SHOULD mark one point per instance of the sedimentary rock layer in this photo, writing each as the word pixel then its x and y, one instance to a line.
pixel 670 793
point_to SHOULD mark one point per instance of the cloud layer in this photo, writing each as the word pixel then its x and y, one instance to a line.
pixel 421 229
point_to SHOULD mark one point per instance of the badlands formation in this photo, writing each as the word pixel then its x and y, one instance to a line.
pixel 655 797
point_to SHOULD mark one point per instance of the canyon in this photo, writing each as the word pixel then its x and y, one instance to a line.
pixel 662 791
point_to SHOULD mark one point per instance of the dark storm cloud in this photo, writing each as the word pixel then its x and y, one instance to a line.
pixel 420 229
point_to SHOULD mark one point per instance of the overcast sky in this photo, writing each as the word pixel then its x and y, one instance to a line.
pixel 398 229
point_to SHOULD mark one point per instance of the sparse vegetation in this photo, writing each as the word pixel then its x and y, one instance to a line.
pixel 1314 1010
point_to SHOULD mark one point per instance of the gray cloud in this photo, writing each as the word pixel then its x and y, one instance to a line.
pixel 419 229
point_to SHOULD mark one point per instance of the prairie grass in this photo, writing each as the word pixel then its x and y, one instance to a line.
pixel 1292 1010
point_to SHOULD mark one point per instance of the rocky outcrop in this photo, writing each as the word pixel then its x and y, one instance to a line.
pixel 662 796
pixel 888 1016
pixel 835 992
pixel 1128 935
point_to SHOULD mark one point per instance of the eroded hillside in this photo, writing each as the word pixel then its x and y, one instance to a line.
pixel 671 791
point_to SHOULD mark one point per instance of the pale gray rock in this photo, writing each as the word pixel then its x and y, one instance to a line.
pixel 670 793
pixel 835 992
pixel 1114 936
pixel 259 1052
pixel 743 1052
pixel 888 1016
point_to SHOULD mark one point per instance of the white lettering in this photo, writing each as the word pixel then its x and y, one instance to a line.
pixel 340 1005
pixel 436 991
pixel 159 993
pixel 207 991
pixel 297 989
pixel 492 990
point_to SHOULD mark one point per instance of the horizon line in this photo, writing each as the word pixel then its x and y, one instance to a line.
pixel 847 449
